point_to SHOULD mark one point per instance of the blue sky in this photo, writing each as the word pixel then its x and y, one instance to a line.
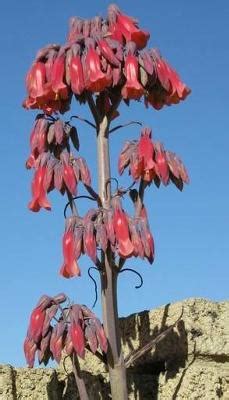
pixel 190 228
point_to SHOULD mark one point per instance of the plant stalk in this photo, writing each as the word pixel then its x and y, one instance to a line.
pixel 78 378
pixel 115 360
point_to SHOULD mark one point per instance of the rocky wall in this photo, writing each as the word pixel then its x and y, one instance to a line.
pixel 190 363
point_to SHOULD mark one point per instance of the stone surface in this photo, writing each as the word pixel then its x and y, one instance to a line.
pixel 190 363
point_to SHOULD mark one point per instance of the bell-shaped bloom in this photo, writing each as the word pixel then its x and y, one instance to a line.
pixel 30 349
pixel 39 195
pixel 58 131
pixel 35 81
pixel 108 221
pixel 136 239
pixel 120 222
pixel 69 268
pixel 100 335
pixel 77 75
pixel 69 179
pixel 74 73
pixel 40 93
pixel 101 234
pixel 57 340
pixel 107 52
pixel 179 91
pixel 161 163
pixel 132 88
pixel 51 56
pixel 129 149
pixel 177 170
pixel 121 25
pixel 77 338
pixel 145 149
pixel 147 238
pixel 36 324
pixel 89 240
pixel 169 88
pixel 49 315
pixel 44 354
pixel 84 172
pixel 90 336
pixel 131 32
pixel 38 137
pixel 97 80
pixel 136 167
pixel 57 78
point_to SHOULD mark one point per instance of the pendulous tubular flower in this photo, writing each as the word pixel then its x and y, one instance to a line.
pixel 122 27
pixel 70 267
pixel 125 247
pixel 39 199
pixel 132 88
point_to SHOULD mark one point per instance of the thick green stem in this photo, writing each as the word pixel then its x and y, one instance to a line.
pixel 117 370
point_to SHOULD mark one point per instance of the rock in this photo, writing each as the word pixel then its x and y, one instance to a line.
pixel 191 362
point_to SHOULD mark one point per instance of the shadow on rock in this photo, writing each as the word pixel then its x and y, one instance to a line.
pixel 165 357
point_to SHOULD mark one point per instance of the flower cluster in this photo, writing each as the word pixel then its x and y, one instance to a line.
pixel 102 54
pixel 99 229
pixel 149 161
pixel 54 331
pixel 55 166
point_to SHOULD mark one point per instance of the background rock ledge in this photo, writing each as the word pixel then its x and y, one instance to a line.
pixel 191 363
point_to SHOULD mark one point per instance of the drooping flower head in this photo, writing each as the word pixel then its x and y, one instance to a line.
pixel 56 330
pixel 100 55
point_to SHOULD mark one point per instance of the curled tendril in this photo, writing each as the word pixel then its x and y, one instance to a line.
pixel 135 272
pixel 95 284
pixel 64 365
pixel 122 191
pixel 124 125
pixel 119 190
pixel 109 182
pixel 75 198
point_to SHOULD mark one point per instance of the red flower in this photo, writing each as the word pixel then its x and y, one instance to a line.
pixel 44 353
pixel 169 88
pixel 161 163
pixel 122 25
pixel 131 32
pixel 39 195
pixel 146 236
pixel 35 81
pixel 90 335
pixel 57 340
pixel 77 337
pixel 57 76
pixel 136 239
pixel 132 88
pixel 70 268
pixel 145 149
pixel 38 137
pixel 69 179
pixel 107 52
pixel 30 349
pixel 89 240
pixel 121 228
pixel 36 324
pixel 76 75
pixel 97 80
